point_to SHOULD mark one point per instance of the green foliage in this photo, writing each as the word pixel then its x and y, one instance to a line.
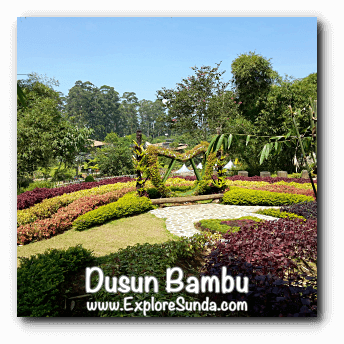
pixel 214 225
pixel 153 193
pixel 41 280
pixel 265 98
pixel 240 196
pixel 148 114
pixel 188 105
pixel 152 260
pixel 43 135
pixel 96 108
pixel 206 184
pixel 91 163
pixel 280 214
pixel 129 204
pixel 115 159
pixel 253 77
pixel 150 160
pixel 61 173
pixel 22 183
pixel 38 184
pixel 89 179
pixel 128 111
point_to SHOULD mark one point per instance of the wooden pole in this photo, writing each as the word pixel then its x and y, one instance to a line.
pixel 139 179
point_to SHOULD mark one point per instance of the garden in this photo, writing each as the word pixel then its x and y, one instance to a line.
pixel 269 258
pixel 61 231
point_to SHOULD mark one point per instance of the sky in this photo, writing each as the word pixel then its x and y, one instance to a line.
pixel 145 54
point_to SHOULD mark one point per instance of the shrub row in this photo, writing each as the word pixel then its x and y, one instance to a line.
pixel 41 280
pixel 269 180
pixel 29 198
pixel 223 225
pixel 54 267
pixel 249 184
pixel 282 189
pixel 63 219
pixel 129 204
pixel 280 214
pixel 269 254
pixel 241 196
pixel 153 260
pixel 50 206
pixel 308 210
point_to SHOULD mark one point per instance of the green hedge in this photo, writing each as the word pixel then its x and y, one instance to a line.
pixel 214 225
pixel 129 204
pixel 279 214
pixel 241 196
pixel 41 280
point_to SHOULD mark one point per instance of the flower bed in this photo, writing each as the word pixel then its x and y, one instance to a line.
pixel 268 253
pixel 29 198
pixel 50 206
pixel 272 254
pixel 63 219
pixel 281 189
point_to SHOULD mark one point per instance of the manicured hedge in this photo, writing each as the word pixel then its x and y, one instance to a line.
pixel 283 189
pixel 269 180
pixel 241 196
pixel 63 219
pixel 297 187
pixel 29 198
pixel 280 214
pixel 48 207
pixel 127 205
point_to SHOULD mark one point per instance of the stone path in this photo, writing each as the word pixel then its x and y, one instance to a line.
pixel 180 219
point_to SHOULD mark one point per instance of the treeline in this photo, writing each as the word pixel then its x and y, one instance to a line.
pixel 105 111
pixel 254 102
pixel 54 129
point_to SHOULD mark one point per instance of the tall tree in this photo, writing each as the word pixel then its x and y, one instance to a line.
pixel 264 98
pixel 188 104
pixel 128 109
pixel 96 108
pixel 253 77
pixel 43 135
pixel 149 113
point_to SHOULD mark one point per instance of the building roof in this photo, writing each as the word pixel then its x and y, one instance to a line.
pixel 97 143
pixel 181 147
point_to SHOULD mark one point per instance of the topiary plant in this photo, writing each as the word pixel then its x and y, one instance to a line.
pixel 89 179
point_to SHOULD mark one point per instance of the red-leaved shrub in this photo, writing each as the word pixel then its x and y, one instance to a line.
pixel 282 188
pixel 29 198
pixel 270 180
pixel 268 254
pixel 63 219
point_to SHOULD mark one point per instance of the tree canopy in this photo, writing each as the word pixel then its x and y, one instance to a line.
pixel 255 105
pixel 189 104
pixel 93 107
pixel 43 135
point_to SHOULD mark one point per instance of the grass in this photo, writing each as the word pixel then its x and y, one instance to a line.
pixel 108 238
